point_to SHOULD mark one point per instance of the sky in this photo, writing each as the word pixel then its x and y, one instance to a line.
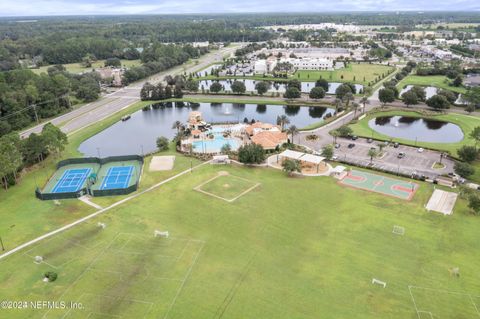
pixel 113 7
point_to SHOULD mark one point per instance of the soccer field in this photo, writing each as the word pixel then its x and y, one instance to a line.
pixel 285 248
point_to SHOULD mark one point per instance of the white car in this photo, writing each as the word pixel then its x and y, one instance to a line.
pixel 420 150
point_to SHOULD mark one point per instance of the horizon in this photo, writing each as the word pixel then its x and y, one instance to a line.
pixel 58 8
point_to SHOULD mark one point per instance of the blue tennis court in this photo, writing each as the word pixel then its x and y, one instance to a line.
pixel 117 177
pixel 72 180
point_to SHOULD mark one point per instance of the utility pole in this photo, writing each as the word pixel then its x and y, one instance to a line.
pixel 68 101
pixel 36 115
pixel 1 242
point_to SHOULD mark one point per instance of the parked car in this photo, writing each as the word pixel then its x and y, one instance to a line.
pixel 401 155
pixel 369 140
pixel 334 157
pixel 420 150
pixel 337 145
pixel 396 145
pixel 354 137
pixel 351 145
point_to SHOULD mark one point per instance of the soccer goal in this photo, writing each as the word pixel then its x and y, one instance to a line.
pixel 159 233
pixel 398 230
pixel 379 282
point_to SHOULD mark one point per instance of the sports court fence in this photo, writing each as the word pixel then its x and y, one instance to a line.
pixel 101 161
pixel 88 190
pixel 380 167
pixel 67 195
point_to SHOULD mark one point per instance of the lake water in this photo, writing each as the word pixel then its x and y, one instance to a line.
pixel 414 128
pixel 429 91
pixel 143 128
pixel 275 87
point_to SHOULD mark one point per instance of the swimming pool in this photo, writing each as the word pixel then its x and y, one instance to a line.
pixel 215 145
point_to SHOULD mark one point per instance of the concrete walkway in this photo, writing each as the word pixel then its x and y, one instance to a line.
pixel 86 200
pixel 84 219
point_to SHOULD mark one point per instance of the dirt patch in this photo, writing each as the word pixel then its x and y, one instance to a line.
pixel 161 163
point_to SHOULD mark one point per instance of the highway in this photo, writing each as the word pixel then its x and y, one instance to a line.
pixel 112 103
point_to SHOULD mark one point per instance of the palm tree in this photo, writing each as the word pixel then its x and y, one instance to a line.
pixel 380 147
pixel 338 104
pixel 355 107
pixel 292 130
pixel 372 153
pixel 364 101
pixel 282 120
pixel 335 134
pixel 347 98
pixel 177 125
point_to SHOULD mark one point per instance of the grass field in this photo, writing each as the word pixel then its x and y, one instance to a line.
pixel 438 81
pixel 78 68
pixel 355 72
pixel 466 122
pixel 361 73
pixel 291 248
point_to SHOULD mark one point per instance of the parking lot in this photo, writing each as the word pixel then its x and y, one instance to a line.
pixel 413 161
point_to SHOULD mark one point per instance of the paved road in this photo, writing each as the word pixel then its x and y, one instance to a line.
pixel 122 98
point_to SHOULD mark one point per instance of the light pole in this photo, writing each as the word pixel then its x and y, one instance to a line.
pixel 98 152
pixel 1 242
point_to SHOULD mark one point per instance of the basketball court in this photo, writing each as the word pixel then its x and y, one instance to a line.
pixel 380 184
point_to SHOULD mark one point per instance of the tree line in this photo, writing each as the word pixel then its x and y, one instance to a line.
pixel 160 57
pixel 26 97
pixel 16 153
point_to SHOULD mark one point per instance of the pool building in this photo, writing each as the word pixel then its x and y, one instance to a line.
pixel 209 139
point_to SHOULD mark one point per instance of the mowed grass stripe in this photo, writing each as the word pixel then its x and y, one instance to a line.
pixel 317 246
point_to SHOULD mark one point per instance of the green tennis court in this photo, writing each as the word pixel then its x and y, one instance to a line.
pixel 380 184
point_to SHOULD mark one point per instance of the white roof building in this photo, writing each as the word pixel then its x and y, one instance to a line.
pixel 264 66
pixel 312 64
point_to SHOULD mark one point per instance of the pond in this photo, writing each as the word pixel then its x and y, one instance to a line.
pixel 275 87
pixel 415 128
pixel 139 133
pixel 429 91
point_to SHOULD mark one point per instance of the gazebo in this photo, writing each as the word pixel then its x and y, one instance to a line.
pixel 302 157
pixel 313 159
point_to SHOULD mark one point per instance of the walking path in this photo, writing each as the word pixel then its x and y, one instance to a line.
pixel 101 211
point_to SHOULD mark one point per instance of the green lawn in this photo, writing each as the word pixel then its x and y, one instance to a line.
pixel 439 81
pixel 78 68
pixel 361 73
pixel 466 122
pixel 290 248
pixel 226 187
pixel 355 72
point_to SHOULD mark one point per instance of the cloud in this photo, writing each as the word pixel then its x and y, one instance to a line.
pixel 104 7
